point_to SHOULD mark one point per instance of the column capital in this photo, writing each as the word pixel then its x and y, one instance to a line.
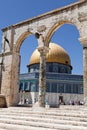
pixel 43 49
pixel 83 41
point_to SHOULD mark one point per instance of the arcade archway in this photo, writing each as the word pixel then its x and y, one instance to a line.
pixel 43 27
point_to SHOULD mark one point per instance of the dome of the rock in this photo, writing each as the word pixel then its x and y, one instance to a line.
pixel 56 54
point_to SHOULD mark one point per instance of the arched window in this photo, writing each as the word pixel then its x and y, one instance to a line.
pixel 75 88
pixel 54 87
pixel 21 87
pixel 26 86
pixel 68 88
pixel 61 88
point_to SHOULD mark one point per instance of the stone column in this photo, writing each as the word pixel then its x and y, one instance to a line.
pixel 10 78
pixel 42 79
pixel 42 70
pixel 1 64
pixel 85 73
pixel 84 44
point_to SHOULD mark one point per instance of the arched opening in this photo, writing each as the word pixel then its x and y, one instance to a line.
pixel 67 36
pixel 26 49
pixel 67 85
pixel 25 46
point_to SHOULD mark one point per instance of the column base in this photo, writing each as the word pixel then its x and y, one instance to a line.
pixel 3 103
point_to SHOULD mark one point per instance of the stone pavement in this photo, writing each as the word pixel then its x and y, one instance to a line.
pixel 28 118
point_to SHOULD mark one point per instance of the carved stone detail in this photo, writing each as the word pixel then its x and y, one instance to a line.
pixel 41 28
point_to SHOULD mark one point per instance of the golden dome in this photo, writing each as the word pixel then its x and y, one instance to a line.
pixel 56 54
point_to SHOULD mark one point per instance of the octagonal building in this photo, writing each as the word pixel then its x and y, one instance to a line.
pixel 61 84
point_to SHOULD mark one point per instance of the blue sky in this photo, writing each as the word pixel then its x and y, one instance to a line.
pixel 14 11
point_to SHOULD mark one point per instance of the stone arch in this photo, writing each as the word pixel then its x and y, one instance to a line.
pixel 56 26
pixel 21 39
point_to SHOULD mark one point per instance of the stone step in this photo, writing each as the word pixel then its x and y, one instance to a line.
pixel 45 116
pixel 39 126
pixel 72 107
pixel 18 125
pixel 45 120
pixel 30 119
pixel 47 113
pixel 2 129
pixel 54 117
pixel 79 110
pixel 42 110
pixel 79 117
pixel 6 126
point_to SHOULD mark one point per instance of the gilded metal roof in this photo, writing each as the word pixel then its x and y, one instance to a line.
pixel 56 54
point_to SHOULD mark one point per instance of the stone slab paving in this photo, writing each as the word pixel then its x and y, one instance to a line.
pixel 26 118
